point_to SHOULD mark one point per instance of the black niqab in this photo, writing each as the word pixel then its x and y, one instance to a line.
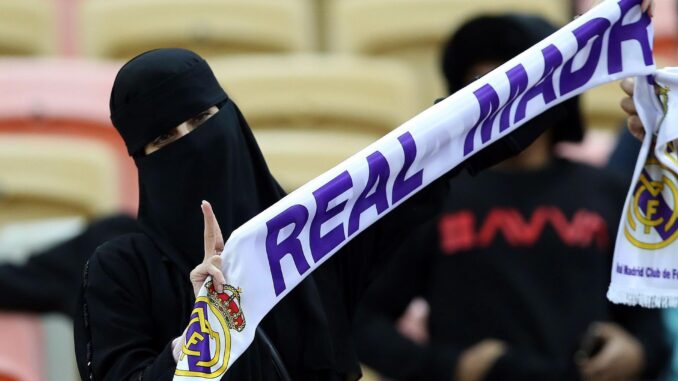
pixel 219 161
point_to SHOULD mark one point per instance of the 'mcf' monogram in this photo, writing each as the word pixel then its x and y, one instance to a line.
pixel 202 332
pixel 458 230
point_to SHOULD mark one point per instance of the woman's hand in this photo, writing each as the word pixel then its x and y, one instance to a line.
pixel 214 245
pixel 633 122
pixel 648 5
pixel 475 362
pixel 622 357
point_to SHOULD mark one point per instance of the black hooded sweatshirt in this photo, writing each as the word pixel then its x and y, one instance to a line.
pixel 136 295
pixel 523 257
pixel 50 279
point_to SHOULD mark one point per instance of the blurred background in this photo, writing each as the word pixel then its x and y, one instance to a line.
pixel 317 80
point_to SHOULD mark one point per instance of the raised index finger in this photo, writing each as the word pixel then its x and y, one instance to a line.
pixel 214 241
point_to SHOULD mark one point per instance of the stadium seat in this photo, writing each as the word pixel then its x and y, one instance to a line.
pixel 67 26
pixel 600 107
pixel 360 95
pixel 309 112
pixel 124 28
pixel 665 22
pixel 21 352
pixel 49 176
pixel 67 97
pixel 56 88
pixel 27 27
pixel 414 30
pixel 297 156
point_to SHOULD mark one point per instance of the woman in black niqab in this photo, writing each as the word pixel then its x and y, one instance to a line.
pixel 219 161
pixel 136 297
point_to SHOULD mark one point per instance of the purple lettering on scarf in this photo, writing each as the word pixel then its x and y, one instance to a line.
pixel 488 100
pixel 552 59
pixel 620 33
pixel 323 244
pixel 518 80
pixel 592 30
pixel 297 215
pixel 402 186
pixel 379 172
pixel 490 106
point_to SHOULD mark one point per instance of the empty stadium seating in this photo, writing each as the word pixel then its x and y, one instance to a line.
pixel 355 94
pixel 413 30
pixel 56 88
pixel 295 157
pixel 124 28
pixel 27 27
pixel 65 97
pixel 309 112
pixel 49 176
pixel 21 352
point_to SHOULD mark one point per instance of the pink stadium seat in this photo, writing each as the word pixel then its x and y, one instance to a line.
pixel 64 97
pixel 67 26
pixel 666 29
pixel 21 355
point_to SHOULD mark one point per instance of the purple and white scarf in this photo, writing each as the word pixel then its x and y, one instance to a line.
pixel 645 266
pixel 269 255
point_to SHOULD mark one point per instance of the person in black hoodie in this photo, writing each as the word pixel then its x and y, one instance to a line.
pixel 48 282
pixel 516 267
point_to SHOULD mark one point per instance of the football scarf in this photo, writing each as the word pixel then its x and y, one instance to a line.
pixel 271 253
pixel 645 267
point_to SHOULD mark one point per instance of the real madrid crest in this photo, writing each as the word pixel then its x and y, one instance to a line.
pixel 652 214
pixel 207 346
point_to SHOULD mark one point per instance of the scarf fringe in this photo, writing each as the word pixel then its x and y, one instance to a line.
pixel 646 299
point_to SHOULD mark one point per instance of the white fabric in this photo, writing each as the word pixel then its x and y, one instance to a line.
pixel 645 267
pixel 177 343
pixel 270 254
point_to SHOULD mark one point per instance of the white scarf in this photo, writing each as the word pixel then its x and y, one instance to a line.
pixel 645 266
pixel 270 254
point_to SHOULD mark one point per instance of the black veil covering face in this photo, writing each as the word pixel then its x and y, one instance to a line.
pixel 219 161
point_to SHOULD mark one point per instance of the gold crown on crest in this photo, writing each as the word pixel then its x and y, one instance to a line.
pixel 228 304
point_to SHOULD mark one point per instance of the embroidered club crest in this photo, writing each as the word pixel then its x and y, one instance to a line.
pixel 652 216
pixel 207 347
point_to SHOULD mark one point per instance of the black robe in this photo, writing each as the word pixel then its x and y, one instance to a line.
pixel 136 300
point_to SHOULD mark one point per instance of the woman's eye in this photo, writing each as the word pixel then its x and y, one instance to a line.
pixel 162 138
pixel 201 118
